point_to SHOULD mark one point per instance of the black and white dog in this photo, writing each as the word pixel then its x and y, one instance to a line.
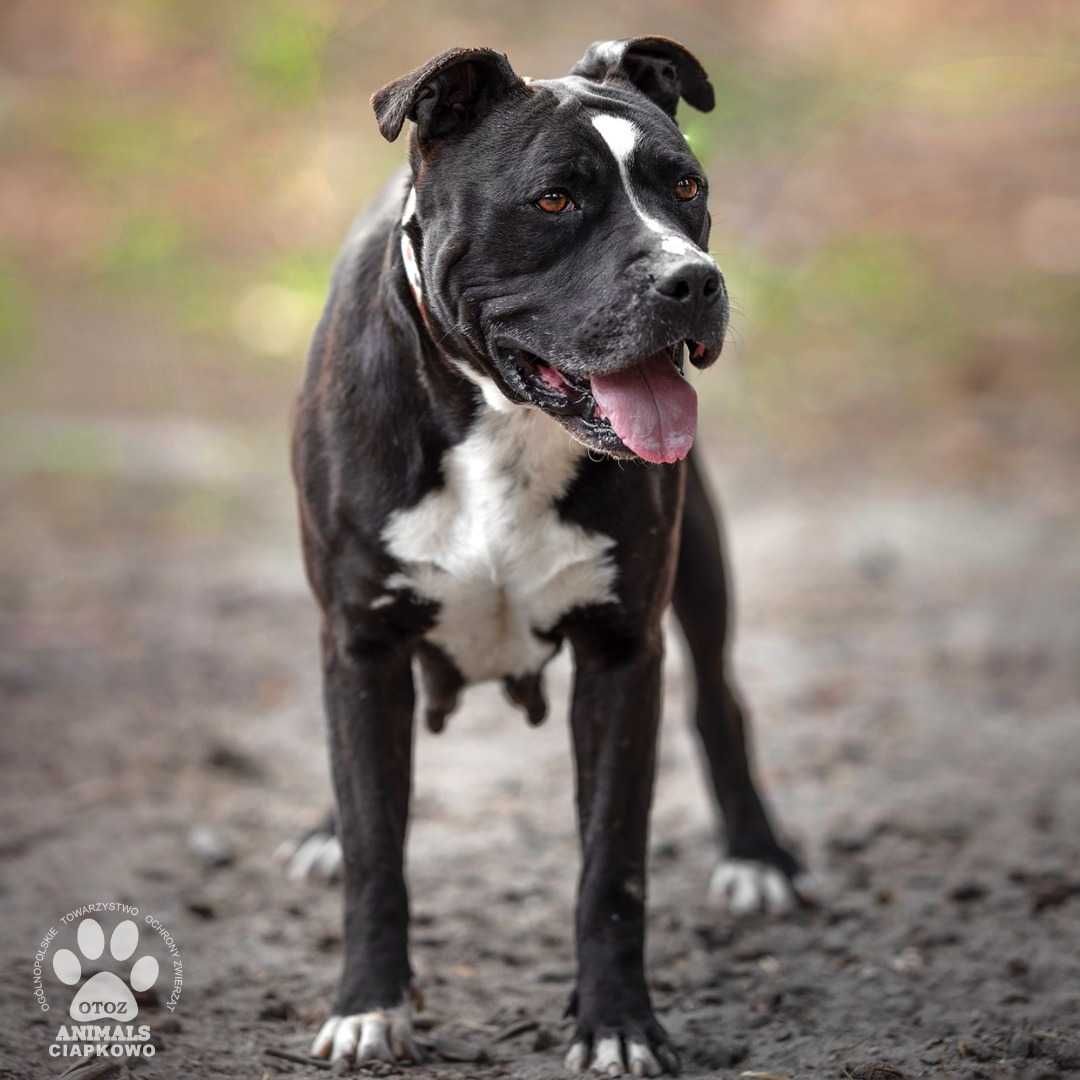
pixel 491 450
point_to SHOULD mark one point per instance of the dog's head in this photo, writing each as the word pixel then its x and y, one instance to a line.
pixel 556 235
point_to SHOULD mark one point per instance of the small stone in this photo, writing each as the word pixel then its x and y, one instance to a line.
pixel 277 1010
pixel 973 1048
pixel 875 1070
pixel 544 1039
pixel 210 847
pixel 1063 1052
pixel 909 961
pixel 967 891
pixel 1020 1045
pixel 201 909
pixel 223 757
pixel 451 1049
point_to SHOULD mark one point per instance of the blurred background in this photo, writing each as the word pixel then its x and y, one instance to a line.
pixel 895 204
pixel 895 429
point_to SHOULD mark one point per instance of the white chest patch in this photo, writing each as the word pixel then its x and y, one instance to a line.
pixel 492 550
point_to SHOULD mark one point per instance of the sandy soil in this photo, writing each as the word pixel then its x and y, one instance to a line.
pixel 911 654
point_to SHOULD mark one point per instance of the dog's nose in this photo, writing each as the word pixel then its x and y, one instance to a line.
pixel 690 282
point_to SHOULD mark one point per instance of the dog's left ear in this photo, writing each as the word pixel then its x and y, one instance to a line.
pixel 446 95
pixel 662 69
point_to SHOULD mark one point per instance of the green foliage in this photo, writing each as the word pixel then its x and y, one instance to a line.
pixel 873 283
pixel 75 448
pixel 111 142
pixel 988 82
pixel 757 110
pixel 15 316
pixel 282 51
pixel 146 245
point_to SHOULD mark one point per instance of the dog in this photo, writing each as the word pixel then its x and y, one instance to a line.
pixel 492 451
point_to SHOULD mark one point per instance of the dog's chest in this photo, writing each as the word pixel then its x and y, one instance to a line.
pixel 491 549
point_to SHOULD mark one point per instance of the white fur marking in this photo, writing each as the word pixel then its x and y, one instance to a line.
pixel 641 1061
pixel 621 137
pixel 744 887
pixel 382 601
pixel 412 268
pixel 378 1035
pixel 491 549
pixel 608 1058
pixel 676 245
pixel 408 252
pixel 493 396
pixel 577 1057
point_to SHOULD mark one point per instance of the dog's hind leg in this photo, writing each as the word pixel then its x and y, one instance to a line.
pixel 758 873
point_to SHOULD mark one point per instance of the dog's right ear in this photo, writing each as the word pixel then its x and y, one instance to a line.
pixel 447 95
pixel 662 69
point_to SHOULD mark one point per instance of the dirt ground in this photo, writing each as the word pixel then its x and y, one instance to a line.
pixel 909 641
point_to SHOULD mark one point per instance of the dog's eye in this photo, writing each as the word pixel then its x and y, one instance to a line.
pixel 555 202
pixel 687 188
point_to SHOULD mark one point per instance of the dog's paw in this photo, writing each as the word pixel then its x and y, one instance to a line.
pixel 622 1055
pixel 749 887
pixel 377 1035
pixel 316 856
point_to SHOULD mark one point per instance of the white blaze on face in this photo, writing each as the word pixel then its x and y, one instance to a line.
pixel 621 137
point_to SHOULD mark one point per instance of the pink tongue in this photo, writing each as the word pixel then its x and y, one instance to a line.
pixel 652 408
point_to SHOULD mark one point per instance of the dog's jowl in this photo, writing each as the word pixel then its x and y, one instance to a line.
pixel 493 456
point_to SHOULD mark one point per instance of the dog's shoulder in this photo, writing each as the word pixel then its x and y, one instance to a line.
pixel 365 437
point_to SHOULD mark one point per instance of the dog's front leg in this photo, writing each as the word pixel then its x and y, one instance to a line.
pixel 614 717
pixel 369 709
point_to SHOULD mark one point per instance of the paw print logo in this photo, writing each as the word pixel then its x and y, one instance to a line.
pixel 105 996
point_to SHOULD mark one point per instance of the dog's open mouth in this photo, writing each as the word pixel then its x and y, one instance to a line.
pixel 647 409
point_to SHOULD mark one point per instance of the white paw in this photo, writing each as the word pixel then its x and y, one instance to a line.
pixel 378 1035
pixel 315 858
pixel 745 887
pixel 614 1056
